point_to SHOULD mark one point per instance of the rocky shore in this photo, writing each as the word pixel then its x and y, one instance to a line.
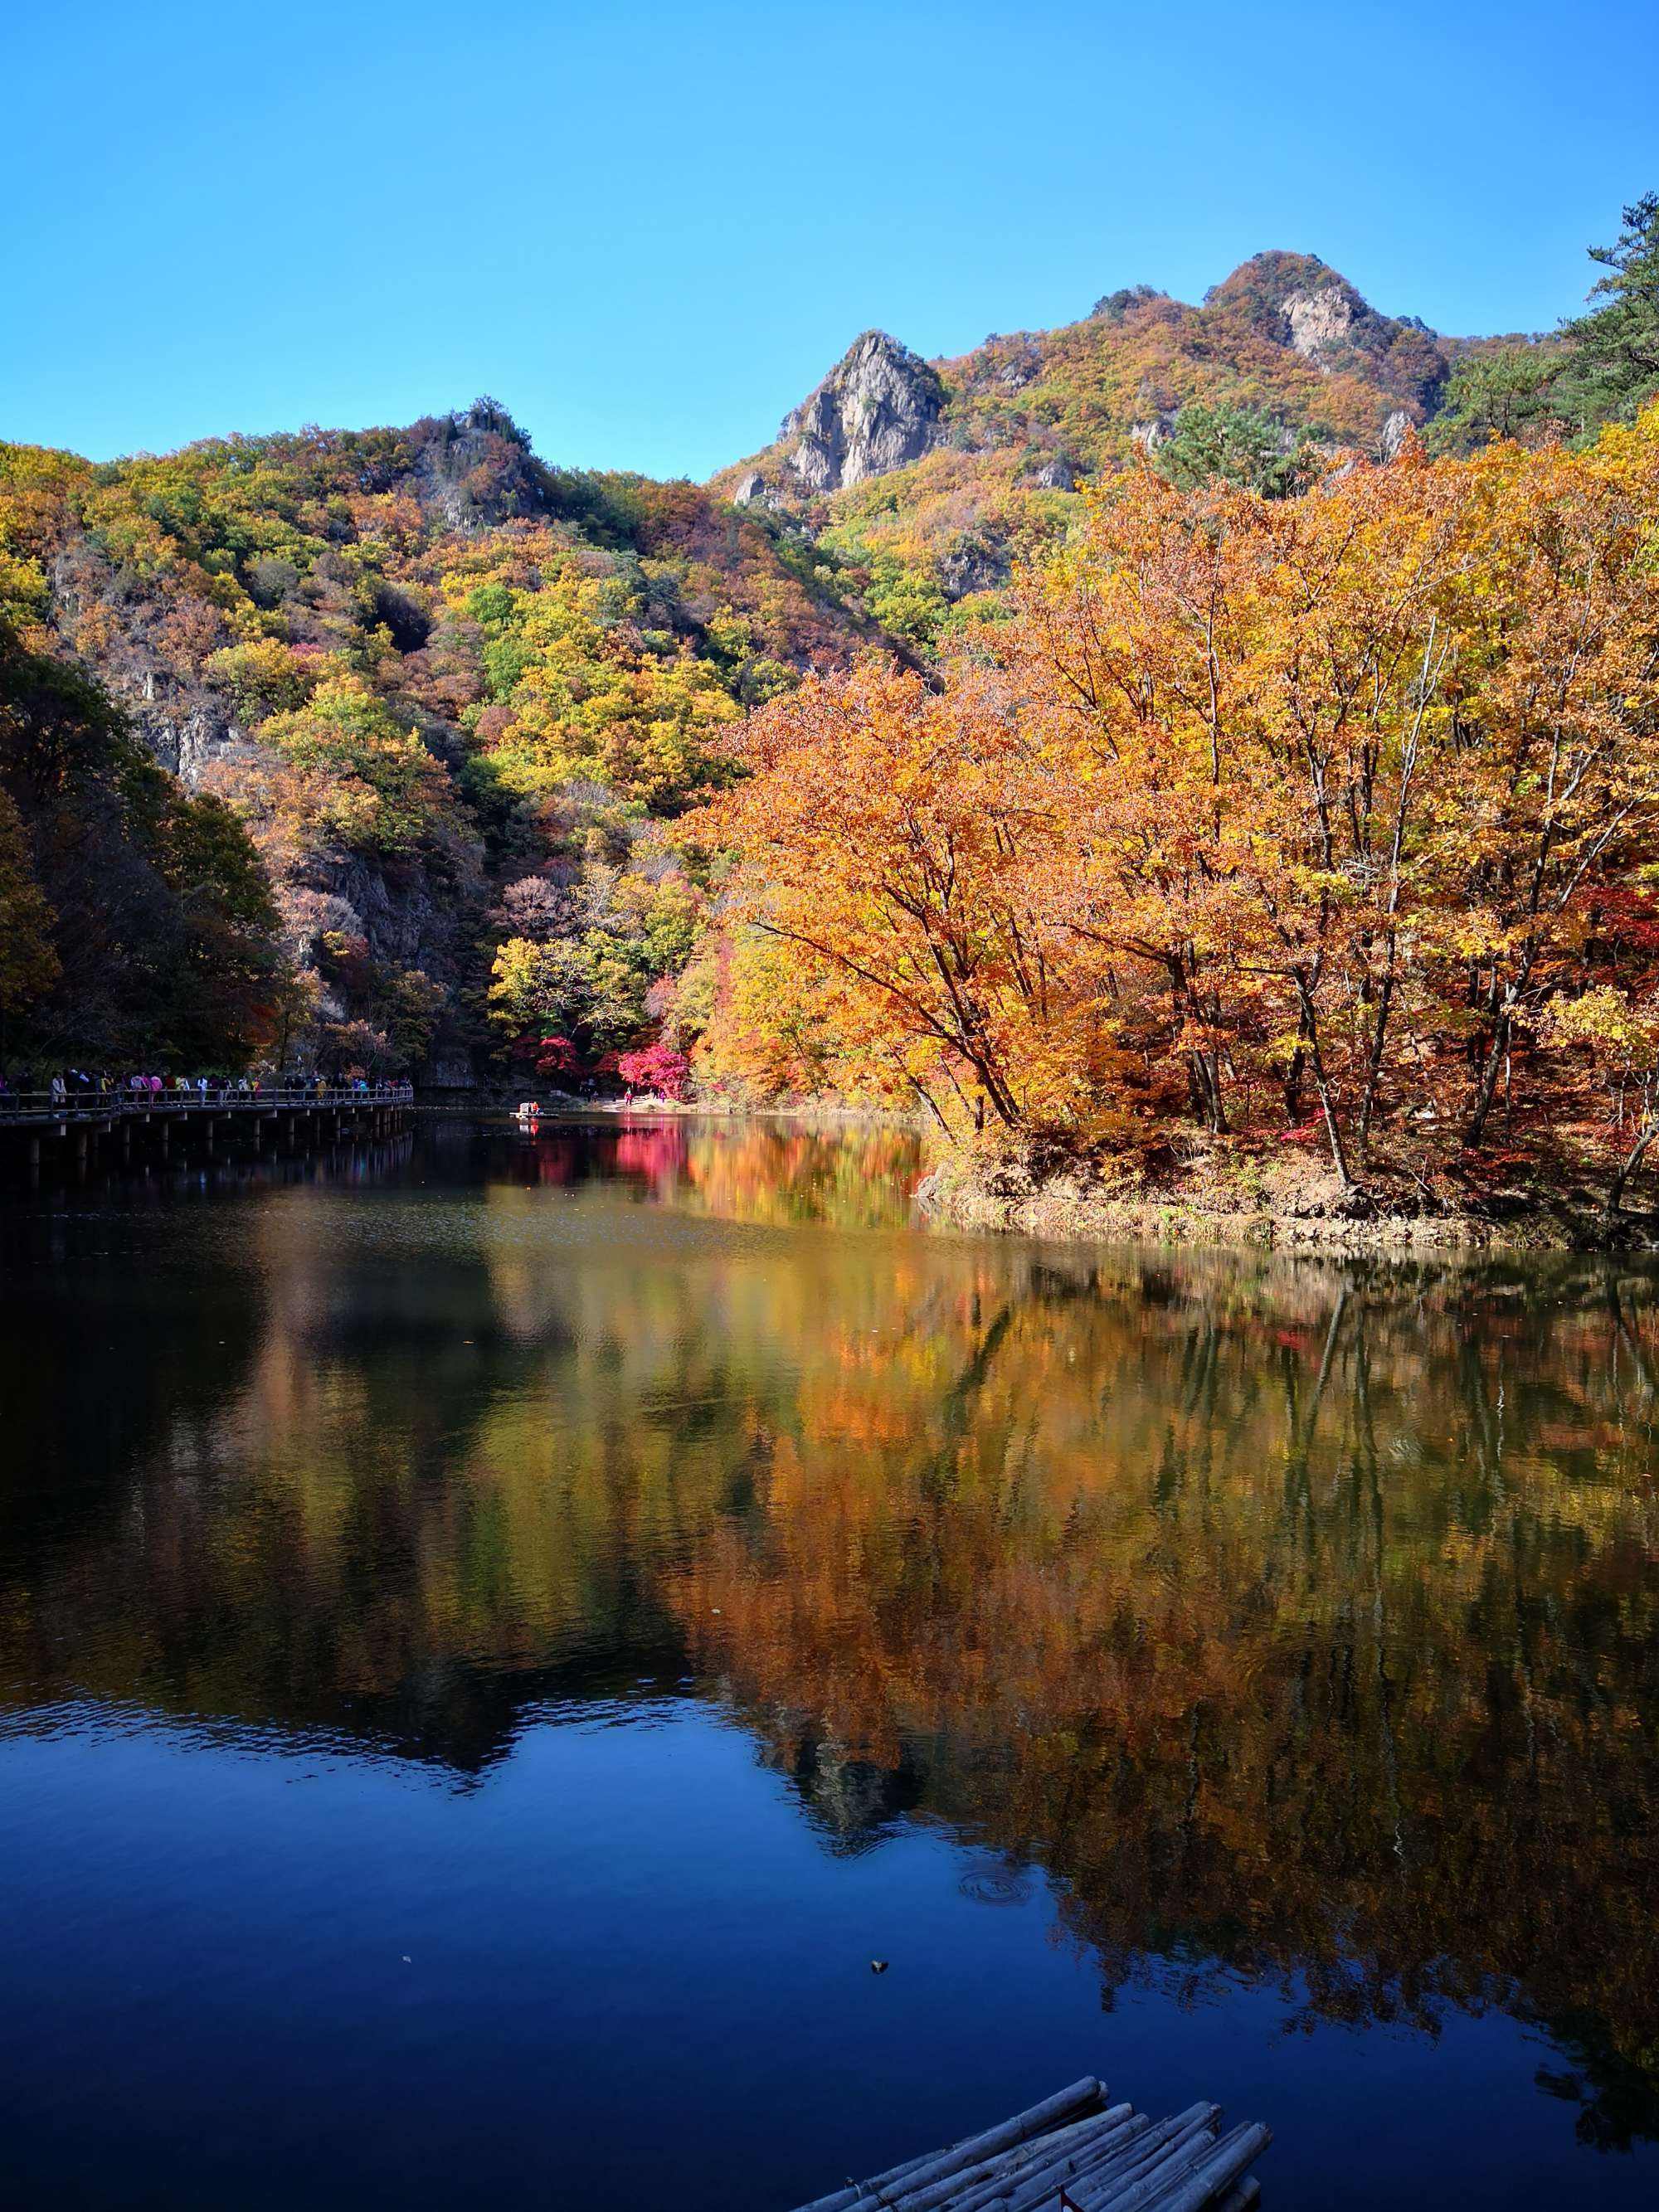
pixel 1290 1205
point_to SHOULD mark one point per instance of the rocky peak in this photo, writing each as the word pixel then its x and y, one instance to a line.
pixel 879 408
pixel 1116 306
pixel 1295 300
pixel 1298 300
pixel 474 468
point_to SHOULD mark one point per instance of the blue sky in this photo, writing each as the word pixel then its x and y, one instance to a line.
pixel 649 229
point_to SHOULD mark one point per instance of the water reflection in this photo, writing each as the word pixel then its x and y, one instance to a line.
pixel 1304 1625
pixel 781 1172
pixel 1298 1620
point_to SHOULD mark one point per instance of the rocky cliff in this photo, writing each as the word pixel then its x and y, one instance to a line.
pixel 953 468
pixel 1284 333
pixel 879 408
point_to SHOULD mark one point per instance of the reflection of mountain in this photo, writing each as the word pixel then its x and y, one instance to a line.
pixel 128 1358
pixel 1301 1623
pixel 852 1801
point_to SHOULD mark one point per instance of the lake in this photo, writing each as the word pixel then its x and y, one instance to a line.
pixel 496 1635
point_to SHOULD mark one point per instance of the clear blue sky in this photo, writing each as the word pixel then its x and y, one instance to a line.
pixel 650 228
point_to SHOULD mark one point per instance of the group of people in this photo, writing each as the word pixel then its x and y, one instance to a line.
pixel 77 1087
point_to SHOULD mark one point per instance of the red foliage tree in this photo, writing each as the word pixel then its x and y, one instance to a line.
pixel 656 1068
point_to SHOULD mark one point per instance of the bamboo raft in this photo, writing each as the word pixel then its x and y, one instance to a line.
pixel 1074 2150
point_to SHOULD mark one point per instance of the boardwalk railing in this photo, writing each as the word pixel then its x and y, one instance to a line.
pixel 44 1106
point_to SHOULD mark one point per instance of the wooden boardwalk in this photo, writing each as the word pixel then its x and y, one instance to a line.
pixel 1074 2150
pixel 84 1122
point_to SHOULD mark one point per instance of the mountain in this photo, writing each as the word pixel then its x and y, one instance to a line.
pixel 945 469
pixel 448 688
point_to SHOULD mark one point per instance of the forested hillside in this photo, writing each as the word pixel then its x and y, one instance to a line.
pixel 1247 829
pixel 404 749
pixel 447 689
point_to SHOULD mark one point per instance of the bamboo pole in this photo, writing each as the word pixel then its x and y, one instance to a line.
pixel 1023 2179
pixel 1092 2171
pixel 1035 2179
pixel 1140 2183
pixel 1215 2173
pixel 991 2183
pixel 1170 2139
pixel 938 2164
pixel 856 2193
pixel 1112 2159
pixel 931 2188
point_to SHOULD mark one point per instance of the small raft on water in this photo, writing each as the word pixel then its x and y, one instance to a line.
pixel 1075 2149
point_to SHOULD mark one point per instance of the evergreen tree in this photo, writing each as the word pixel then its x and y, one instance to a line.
pixel 1614 364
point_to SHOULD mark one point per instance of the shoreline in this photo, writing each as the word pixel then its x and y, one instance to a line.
pixel 585 1109
pixel 1292 1213
pixel 1243 1204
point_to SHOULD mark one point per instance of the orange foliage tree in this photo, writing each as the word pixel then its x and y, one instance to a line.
pixel 890 837
pixel 1280 818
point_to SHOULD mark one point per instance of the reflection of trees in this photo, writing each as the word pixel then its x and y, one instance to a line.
pixel 1299 1630
pixel 1302 1621
pixel 124 1356
pixel 778 1173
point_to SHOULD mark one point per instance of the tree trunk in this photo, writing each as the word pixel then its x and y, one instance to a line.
pixel 1373 1060
pixel 1632 1160
pixel 1485 1097
pixel 1295 1072
pixel 1322 1086
pixel 1204 1083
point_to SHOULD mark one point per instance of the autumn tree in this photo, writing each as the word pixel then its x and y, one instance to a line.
pixel 1261 807
pixel 1239 698
pixel 28 961
pixel 888 836
pixel 1620 1036
pixel 1557 718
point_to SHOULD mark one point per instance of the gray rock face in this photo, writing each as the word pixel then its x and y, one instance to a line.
pixel 1395 431
pixel 749 490
pixel 975 563
pixel 1022 367
pixel 1320 321
pixel 449 1068
pixel 187 741
pixel 878 409
pixel 186 726
pixel 475 467
pixel 1150 434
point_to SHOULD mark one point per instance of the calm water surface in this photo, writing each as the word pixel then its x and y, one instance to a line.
pixel 495 1635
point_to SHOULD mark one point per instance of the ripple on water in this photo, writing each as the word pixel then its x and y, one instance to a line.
pixel 994 1881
